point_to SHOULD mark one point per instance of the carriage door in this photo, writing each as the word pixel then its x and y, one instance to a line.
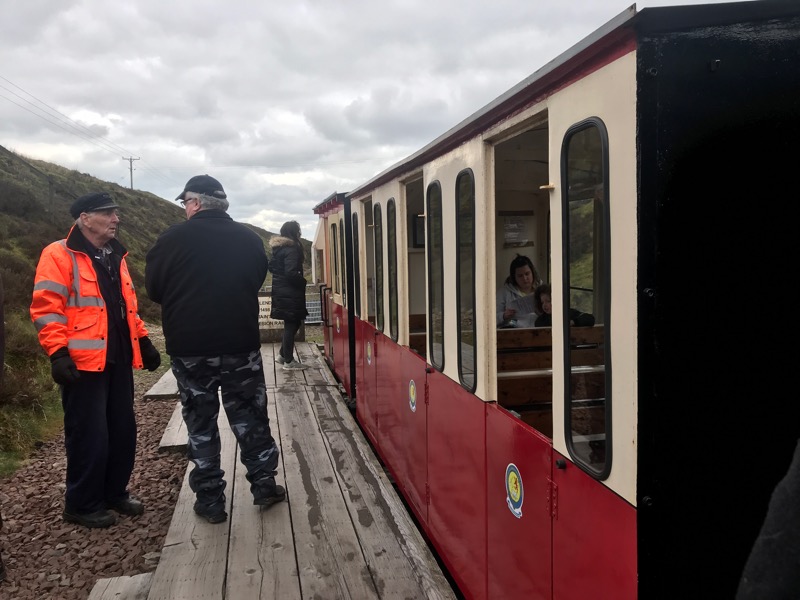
pixel 368 329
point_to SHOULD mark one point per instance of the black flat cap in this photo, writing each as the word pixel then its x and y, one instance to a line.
pixel 92 203
pixel 203 184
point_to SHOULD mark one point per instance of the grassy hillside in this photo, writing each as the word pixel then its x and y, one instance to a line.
pixel 35 197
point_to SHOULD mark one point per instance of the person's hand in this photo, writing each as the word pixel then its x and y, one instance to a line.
pixel 509 313
pixel 151 358
pixel 63 367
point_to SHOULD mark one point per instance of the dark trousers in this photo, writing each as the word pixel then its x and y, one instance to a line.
pixel 99 436
pixel 290 329
pixel 244 398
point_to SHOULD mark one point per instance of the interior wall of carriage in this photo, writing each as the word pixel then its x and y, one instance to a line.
pixel 522 200
pixel 414 196
pixel 522 228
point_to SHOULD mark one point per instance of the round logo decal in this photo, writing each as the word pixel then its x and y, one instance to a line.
pixel 514 493
pixel 369 353
pixel 412 395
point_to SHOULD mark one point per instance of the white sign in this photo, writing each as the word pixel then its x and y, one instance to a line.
pixel 264 308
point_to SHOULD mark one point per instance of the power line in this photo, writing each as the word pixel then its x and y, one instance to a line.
pixel 74 128
pixel 49 111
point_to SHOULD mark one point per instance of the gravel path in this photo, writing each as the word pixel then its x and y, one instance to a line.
pixel 46 558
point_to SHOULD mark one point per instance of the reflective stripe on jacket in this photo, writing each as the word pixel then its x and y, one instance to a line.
pixel 68 309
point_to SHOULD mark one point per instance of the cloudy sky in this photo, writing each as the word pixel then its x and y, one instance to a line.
pixel 284 102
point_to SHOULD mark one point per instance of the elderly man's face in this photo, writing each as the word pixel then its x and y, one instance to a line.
pixel 100 224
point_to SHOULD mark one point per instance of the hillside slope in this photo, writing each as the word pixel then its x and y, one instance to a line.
pixel 34 210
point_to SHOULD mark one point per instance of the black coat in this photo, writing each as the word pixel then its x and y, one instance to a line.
pixel 206 274
pixel 288 283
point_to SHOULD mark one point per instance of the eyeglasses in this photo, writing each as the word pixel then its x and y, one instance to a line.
pixel 185 201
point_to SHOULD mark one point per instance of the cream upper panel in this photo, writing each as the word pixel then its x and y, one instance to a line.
pixel 445 170
pixel 380 197
pixel 610 95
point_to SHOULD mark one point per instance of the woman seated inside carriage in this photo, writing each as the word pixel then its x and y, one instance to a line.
pixel 515 305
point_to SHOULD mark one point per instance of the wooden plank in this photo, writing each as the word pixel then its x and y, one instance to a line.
pixel 317 372
pixel 134 587
pixel 418 343
pixel 524 390
pixel 541 420
pixel 329 558
pixel 587 335
pixel 539 358
pixel 524 338
pixel 194 558
pixel 268 354
pixel 164 388
pixel 538 337
pixel 261 558
pixel 400 562
pixel 175 436
pixel 417 323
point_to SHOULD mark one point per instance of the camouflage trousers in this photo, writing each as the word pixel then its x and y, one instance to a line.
pixel 244 398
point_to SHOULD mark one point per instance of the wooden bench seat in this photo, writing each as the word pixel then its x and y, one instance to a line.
pixel 417 339
pixel 525 375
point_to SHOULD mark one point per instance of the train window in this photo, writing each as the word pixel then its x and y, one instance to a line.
pixel 433 220
pixel 586 284
pixel 391 255
pixel 342 261
pixel 356 267
pixel 378 229
pixel 465 277
pixel 335 256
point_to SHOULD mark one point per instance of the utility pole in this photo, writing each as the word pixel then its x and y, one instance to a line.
pixel 130 162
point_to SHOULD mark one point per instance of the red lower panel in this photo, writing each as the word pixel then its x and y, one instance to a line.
pixel 415 423
pixel 402 420
pixel 594 539
pixel 518 508
pixel 457 480
pixel 342 348
pixel 366 381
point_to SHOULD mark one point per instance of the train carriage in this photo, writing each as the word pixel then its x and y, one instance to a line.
pixel 648 174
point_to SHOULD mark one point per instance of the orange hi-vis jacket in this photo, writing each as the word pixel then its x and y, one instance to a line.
pixel 68 309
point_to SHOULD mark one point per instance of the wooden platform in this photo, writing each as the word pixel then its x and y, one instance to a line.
pixel 343 532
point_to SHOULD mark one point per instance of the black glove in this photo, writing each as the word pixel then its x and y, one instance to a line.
pixel 63 367
pixel 150 355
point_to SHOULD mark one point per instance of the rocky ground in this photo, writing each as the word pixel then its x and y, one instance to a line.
pixel 46 558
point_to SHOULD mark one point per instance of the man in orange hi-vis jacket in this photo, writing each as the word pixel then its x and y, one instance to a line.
pixel 85 310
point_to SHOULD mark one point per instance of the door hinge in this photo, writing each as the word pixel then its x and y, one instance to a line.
pixel 552 499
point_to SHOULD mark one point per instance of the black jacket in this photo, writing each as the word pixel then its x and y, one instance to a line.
pixel 288 283
pixel 206 274
pixel 578 318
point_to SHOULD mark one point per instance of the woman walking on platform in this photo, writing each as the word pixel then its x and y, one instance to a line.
pixel 288 289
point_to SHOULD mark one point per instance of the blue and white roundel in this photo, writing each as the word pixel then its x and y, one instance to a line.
pixel 514 492
pixel 412 395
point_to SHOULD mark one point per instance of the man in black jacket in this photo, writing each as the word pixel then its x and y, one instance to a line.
pixel 206 274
